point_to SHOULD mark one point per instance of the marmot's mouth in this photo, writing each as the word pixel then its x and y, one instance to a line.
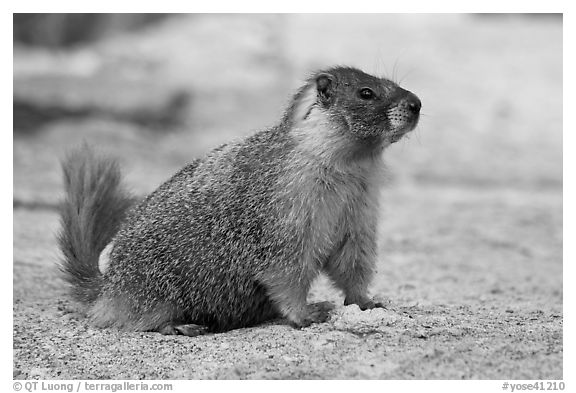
pixel 397 134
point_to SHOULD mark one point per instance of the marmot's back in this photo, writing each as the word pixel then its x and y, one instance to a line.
pixel 199 239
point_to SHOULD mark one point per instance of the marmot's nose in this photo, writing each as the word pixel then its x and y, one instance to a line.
pixel 413 103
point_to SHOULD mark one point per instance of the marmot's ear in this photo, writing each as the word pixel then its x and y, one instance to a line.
pixel 325 84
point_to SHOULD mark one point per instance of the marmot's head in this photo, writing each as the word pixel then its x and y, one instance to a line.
pixel 371 110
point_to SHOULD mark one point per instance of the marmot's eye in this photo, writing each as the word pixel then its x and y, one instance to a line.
pixel 366 94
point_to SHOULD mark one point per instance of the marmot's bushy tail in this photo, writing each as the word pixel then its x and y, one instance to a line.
pixel 94 206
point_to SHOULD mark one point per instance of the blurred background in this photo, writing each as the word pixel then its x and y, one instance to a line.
pixel 159 90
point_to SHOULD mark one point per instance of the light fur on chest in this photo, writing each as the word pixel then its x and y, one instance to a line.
pixel 327 196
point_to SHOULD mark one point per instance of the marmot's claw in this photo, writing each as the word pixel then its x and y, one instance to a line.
pixel 370 305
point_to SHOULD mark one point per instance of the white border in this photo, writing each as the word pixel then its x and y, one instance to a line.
pixel 307 6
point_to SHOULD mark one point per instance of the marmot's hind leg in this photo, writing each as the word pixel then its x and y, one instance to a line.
pixel 110 311
pixel 190 330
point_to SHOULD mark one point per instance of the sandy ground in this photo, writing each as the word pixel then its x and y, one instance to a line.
pixel 470 259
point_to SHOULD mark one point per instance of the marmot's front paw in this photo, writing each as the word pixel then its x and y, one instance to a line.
pixel 365 304
pixel 371 304
pixel 315 313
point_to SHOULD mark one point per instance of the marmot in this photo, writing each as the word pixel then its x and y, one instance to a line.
pixel 237 237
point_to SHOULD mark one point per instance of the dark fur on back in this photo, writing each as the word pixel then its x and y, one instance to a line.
pixel 94 206
pixel 199 242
